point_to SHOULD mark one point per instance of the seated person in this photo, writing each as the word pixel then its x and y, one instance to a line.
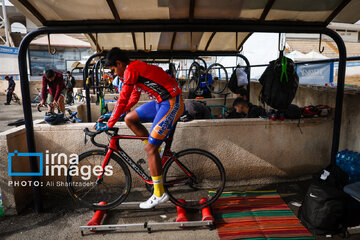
pixel 205 79
pixel 242 95
pixel 250 110
pixel 234 112
pixel 244 109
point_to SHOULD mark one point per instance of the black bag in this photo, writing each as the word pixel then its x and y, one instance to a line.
pixel 278 86
pixel 323 209
pixel 233 82
pixel 197 109
pixel 293 112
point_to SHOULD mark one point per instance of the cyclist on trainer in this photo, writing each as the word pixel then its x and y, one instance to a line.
pixel 164 111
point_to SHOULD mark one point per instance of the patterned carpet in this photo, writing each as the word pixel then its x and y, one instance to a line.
pixel 256 215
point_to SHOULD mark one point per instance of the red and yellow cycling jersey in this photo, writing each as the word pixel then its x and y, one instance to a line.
pixel 140 76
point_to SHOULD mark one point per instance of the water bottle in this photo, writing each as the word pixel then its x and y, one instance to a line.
pixel 338 158
pixel 1 207
pixel 343 160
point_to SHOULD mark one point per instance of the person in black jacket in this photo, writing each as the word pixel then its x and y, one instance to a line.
pixel 10 89
pixel 69 84
pixel 244 109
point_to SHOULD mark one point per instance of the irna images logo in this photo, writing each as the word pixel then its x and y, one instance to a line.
pixel 60 164
pixel 16 153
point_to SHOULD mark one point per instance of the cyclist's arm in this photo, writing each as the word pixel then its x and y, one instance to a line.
pixel 121 104
pixel 43 89
pixel 124 98
pixel 134 98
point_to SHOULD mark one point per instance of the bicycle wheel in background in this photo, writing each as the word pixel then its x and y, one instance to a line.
pixel 219 76
pixel 190 175
pixel 113 187
pixel 194 76
pixel 16 99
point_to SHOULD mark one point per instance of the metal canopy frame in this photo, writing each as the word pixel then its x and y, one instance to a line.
pixel 174 26
pixel 154 55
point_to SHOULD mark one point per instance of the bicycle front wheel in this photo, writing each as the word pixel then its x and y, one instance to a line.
pixel 85 187
pixel 190 175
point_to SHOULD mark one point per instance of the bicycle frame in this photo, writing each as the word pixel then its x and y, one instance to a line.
pixel 114 147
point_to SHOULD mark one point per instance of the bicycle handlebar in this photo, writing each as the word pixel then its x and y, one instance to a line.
pixel 92 135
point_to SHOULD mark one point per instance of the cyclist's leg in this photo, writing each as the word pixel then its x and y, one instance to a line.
pixel 168 112
pixel 49 101
pixel 61 101
pixel 8 96
pixel 144 113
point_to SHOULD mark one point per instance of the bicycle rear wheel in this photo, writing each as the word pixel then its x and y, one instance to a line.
pixel 16 99
pixel 190 175
pixel 220 78
pixel 194 76
pixel 84 186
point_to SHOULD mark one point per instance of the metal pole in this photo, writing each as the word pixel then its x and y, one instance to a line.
pixel 247 70
pixel 339 94
pixel 5 23
pixel 29 128
pixel 86 86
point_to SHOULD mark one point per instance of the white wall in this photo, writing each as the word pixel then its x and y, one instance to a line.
pixel 9 64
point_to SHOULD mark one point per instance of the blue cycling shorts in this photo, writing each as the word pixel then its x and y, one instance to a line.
pixel 164 115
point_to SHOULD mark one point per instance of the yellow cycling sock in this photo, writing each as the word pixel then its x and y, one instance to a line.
pixel 146 141
pixel 158 186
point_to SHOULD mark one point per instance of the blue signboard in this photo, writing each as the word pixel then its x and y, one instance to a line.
pixel 348 64
pixel 315 74
pixel 9 50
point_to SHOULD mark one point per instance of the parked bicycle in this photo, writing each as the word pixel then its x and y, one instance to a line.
pixel 194 76
pixel 220 78
pixel 37 97
pixel 15 98
pixel 79 98
pixel 189 174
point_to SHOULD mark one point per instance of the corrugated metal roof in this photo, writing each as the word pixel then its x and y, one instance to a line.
pixel 77 12
pixel 330 49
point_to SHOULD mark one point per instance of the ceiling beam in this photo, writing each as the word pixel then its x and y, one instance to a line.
pixel 337 11
pixel 267 9
pixel 134 40
pixel 191 10
pixel 114 10
pixel 34 11
pixel 173 41
pixel 243 41
pixel 209 41
pixel 93 39
pixel 207 24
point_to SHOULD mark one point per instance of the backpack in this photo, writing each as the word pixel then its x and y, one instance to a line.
pixel 238 76
pixel 323 209
pixel 197 109
pixel 54 118
pixel 293 112
pixel 279 83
